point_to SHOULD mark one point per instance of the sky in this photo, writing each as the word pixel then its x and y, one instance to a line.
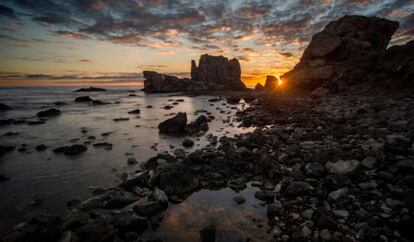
pixel 110 42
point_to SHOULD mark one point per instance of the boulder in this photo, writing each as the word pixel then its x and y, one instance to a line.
pixel 342 54
pixel 74 149
pixel 271 83
pixel 174 179
pixel 110 200
pixel 49 113
pixel 158 83
pixel 176 124
pixel 218 70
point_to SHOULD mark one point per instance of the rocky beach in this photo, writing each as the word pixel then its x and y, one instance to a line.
pixel 325 155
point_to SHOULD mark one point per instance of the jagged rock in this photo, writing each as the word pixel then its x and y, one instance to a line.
pixel 91 89
pixel 259 87
pixel 49 113
pixel 218 70
pixel 176 124
pixel 157 83
pixel 271 82
pixel 110 200
pixel 343 53
pixel 315 169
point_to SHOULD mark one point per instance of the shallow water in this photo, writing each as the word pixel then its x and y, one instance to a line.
pixel 55 179
pixel 233 222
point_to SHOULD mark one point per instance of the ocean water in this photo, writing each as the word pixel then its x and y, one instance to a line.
pixel 44 181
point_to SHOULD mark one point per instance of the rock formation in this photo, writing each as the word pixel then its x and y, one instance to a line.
pixel 271 82
pixel 343 54
pixel 213 73
pixel 218 70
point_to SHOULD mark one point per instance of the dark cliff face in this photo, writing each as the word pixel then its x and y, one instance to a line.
pixel 218 70
pixel 343 53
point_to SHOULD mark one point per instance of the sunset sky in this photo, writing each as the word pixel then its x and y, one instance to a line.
pixel 110 42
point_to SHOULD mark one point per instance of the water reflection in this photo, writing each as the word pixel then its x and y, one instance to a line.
pixel 56 179
pixel 182 222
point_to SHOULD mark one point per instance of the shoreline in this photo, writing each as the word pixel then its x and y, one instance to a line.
pixel 316 168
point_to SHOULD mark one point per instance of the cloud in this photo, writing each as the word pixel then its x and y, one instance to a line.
pixel 7 12
pixel 71 35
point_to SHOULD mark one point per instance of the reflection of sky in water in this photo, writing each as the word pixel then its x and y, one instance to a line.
pixel 55 179
pixel 182 222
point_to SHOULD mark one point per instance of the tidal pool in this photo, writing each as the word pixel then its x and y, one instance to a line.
pixel 233 222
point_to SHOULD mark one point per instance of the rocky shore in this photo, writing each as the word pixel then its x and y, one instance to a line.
pixel 330 166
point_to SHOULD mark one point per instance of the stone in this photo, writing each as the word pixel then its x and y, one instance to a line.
pixel 218 70
pixel 83 99
pixel 342 54
pixel 320 92
pixel 147 208
pixel 188 143
pixel 110 200
pixel 41 147
pixel 239 199
pixel 176 124
pixel 315 169
pixel 174 179
pixel 266 196
pixel 49 113
pixel 208 233
pixel 132 161
pixel 325 235
pixel 342 167
pixel 6 149
pixel 74 149
pixel 369 162
pixel 339 196
pixel 91 89
pixel 4 107
pixel 341 213
pixel 271 83
pixel 405 165
pixel 135 111
pixel 274 209
pixel 298 188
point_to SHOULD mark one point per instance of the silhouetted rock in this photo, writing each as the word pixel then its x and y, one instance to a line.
pixel 213 73
pixel 271 82
pixel 259 87
pixel 176 124
pixel 343 54
pixel 91 89
pixel 83 99
pixel 74 149
pixel 49 113
pixel 136 111
pixel 208 233
pixel 218 70
pixel 158 83
pixel 4 107
pixel 5 149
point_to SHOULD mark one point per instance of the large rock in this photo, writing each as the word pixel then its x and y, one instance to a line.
pixel 218 70
pixel 157 83
pixel 175 124
pixel 174 179
pixel 271 83
pixel 343 53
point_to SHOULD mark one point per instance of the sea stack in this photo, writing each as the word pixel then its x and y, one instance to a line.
pixel 218 70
